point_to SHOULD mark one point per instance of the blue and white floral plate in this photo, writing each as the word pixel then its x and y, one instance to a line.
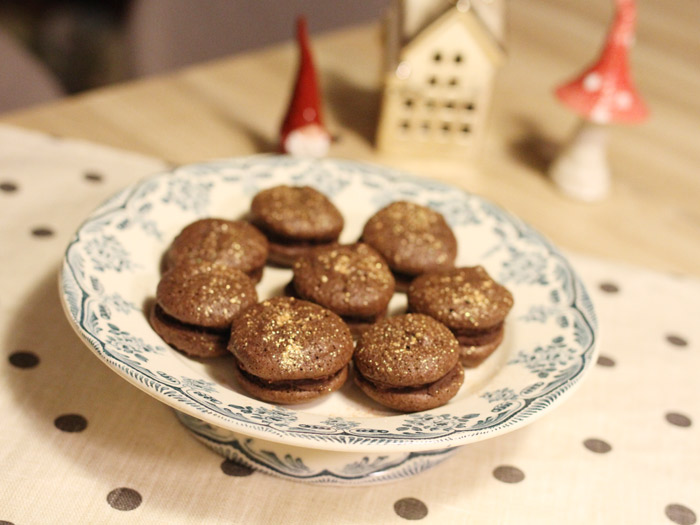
pixel 111 269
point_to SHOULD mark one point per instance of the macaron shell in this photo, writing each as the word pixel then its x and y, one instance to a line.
pixel 351 280
pixel 284 338
pixel 461 298
pixel 406 350
pixel 424 397
pixel 210 299
pixel 235 244
pixel 412 238
pixel 296 212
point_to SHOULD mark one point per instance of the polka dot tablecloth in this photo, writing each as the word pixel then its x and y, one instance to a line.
pixel 80 445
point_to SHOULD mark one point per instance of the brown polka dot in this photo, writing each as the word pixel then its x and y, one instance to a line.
pixel 410 509
pixel 678 420
pixel 93 176
pixel 42 231
pixel 609 287
pixel 604 360
pixel 8 187
pixel 70 423
pixel 597 445
pixel 508 474
pixel 680 514
pixel 124 499
pixel 234 468
pixel 23 359
pixel 676 340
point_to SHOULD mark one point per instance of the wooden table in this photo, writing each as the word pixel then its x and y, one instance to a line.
pixel 233 107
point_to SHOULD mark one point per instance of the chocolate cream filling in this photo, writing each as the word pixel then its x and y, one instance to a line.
pixel 176 323
pixel 290 384
pixel 475 337
pixel 289 243
pixel 432 388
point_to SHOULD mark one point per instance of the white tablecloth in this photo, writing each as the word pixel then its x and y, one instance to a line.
pixel 81 445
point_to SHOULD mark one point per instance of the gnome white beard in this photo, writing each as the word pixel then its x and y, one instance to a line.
pixel 308 141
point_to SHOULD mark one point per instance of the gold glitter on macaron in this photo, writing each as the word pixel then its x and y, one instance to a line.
pixel 461 298
pixel 234 244
pixel 406 350
pixel 296 212
pixel 289 339
pixel 411 237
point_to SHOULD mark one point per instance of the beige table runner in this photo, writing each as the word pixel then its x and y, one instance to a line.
pixel 81 445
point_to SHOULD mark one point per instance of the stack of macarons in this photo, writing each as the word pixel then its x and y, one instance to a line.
pixel 298 347
pixel 209 275
pixel 287 350
pixel 295 219
pixel 195 305
pixel 468 302
pixel 409 363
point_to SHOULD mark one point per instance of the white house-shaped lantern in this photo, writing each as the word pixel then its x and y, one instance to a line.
pixel 441 60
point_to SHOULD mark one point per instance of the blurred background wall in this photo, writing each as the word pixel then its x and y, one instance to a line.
pixel 73 45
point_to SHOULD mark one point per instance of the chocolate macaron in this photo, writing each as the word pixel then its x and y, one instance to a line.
pixel 353 281
pixel 290 351
pixel 413 239
pixel 295 219
pixel 470 303
pixel 408 363
pixel 195 305
pixel 235 244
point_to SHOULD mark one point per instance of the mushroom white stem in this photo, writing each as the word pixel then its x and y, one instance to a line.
pixel 581 170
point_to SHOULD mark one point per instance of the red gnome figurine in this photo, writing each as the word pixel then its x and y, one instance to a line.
pixel 303 133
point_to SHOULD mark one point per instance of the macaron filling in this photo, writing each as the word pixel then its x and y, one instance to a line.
pixel 176 323
pixel 414 398
pixel 471 337
pixel 285 250
pixel 191 339
pixel 313 384
pixel 431 388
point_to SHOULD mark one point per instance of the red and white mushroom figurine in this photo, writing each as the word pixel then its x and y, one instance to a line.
pixel 602 94
pixel 303 133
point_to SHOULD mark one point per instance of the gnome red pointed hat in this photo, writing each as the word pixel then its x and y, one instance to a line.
pixel 305 106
